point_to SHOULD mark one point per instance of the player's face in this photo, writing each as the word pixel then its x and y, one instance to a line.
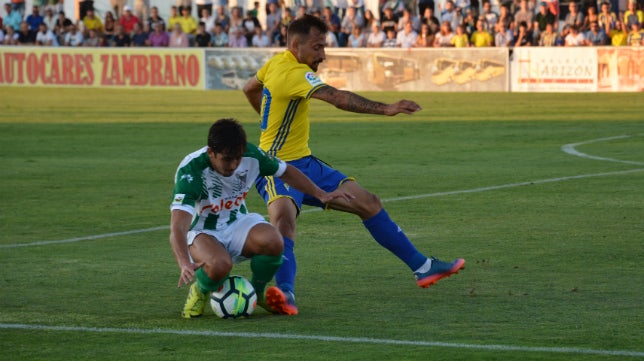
pixel 225 164
pixel 310 50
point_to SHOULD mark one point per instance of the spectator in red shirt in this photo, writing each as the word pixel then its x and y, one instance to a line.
pixel 128 19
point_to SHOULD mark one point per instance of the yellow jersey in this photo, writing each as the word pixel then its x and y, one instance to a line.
pixel 288 86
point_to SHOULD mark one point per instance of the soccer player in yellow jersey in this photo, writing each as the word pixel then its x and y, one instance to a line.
pixel 280 93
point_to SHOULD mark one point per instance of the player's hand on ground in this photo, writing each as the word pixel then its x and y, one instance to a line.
pixel 328 197
pixel 402 106
pixel 188 273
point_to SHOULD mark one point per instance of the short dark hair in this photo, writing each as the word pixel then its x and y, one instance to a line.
pixel 227 136
pixel 303 26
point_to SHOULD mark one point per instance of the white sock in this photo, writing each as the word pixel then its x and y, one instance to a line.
pixel 425 267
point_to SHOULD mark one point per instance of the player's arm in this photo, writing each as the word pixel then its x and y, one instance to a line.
pixel 179 226
pixel 296 179
pixel 253 91
pixel 353 102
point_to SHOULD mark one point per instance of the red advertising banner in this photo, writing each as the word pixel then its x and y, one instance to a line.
pixel 36 66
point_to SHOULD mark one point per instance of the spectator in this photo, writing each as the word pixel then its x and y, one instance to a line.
pixel 178 39
pixel 407 17
pixel 635 35
pixel 236 20
pixel 121 38
pixel 11 37
pixel 469 22
pixel 73 37
pixel 109 27
pixel 188 22
pixel 184 4
pixel 575 37
pixel 523 36
pixel 543 18
pixel 397 6
pixel 155 18
pixel 273 18
pixel 606 18
pixel 431 20
pixel 280 39
pixel 504 17
pixel 523 15
pixel 25 35
pixel 350 21
pixel 331 39
pixel 92 22
pixel 369 20
pixel 423 5
pixel 504 37
pixel 389 21
pixel 549 36
pixel 45 37
pixel 207 19
pixel 633 15
pixel 376 37
pixel 481 37
pixel 50 19
pixel 491 18
pixel 62 26
pixel 139 36
pixel 425 37
pixel 142 10
pixel 35 19
pixel 591 16
pixel 219 38
pixel 13 18
pixel 203 39
pixel 596 35
pixel 205 5
pixel 236 38
pixel 255 10
pixel 444 37
pixel 460 40
pixel 301 11
pixel 618 35
pixel 357 38
pixel 462 6
pixel 128 20
pixel 92 39
pixel 260 39
pixel 19 6
pixel 390 41
pixel 450 15
pixel 340 7
pixel 574 17
pixel 174 18
pixel 249 24
pixel 222 18
pixel 159 37
pixel 117 7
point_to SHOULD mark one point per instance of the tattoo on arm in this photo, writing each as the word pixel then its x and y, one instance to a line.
pixel 349 101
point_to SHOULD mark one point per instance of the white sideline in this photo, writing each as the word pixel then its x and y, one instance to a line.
pixel 361 340
pixel 567 148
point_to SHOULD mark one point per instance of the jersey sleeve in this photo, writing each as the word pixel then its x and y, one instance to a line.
pixel 187 189
pixel 304 82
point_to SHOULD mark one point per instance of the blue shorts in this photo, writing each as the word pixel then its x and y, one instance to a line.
pixel 325 177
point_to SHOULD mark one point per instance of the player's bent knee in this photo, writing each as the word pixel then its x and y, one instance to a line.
pixel 219 268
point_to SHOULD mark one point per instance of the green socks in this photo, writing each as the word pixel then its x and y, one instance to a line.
pixel 207 284
pixel 263 268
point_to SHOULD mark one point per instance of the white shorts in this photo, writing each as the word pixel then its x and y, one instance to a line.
pixel 234 236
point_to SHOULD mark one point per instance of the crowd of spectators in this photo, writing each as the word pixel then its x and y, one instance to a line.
pixel 456 23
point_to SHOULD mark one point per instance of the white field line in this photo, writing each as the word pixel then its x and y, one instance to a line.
pixel 567 148
pixel 353 340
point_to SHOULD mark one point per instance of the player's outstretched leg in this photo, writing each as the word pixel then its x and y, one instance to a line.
pixel 389 235
pixel 437 270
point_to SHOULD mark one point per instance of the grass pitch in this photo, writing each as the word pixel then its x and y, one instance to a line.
pixel 553 241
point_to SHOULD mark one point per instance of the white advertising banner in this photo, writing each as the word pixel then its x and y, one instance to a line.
pixel 548 70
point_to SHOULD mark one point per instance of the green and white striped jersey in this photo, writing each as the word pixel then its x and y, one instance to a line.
pixel 214 200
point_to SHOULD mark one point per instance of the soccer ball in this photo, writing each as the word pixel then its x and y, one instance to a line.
pixel 235 298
